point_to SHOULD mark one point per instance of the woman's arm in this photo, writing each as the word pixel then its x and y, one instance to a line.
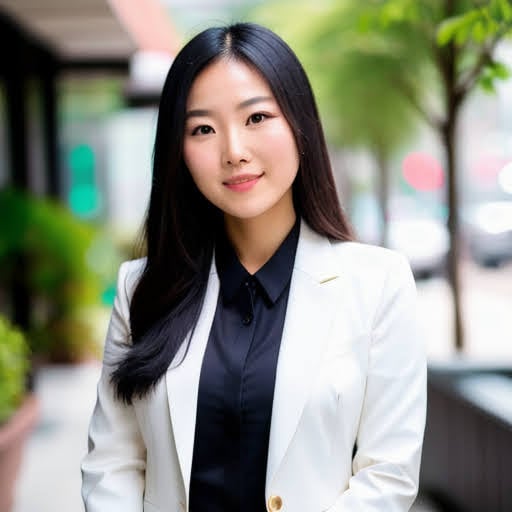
pixel 387 461
pixel 113 470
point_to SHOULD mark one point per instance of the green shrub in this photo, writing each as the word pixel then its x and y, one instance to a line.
pixel 68 265
pixel 14 365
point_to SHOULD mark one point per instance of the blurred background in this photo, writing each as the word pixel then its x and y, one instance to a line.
pixel 416 100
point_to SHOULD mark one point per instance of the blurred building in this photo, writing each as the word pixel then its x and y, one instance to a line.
pixel 67 65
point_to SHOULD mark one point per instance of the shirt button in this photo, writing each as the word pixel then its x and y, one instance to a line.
pixel 250 284
pixel 275 503
pixel 247 319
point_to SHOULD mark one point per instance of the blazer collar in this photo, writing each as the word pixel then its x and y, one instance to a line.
pixel 315 256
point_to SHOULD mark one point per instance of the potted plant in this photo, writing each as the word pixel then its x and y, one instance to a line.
pixel 18 407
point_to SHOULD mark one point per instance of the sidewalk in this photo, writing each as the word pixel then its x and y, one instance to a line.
pixel 50 477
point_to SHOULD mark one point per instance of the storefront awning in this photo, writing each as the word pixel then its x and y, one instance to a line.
pixel 95 30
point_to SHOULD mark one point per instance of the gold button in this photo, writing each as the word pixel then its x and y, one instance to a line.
pixel 275 503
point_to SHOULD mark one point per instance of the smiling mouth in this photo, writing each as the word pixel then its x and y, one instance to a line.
pixel 237 180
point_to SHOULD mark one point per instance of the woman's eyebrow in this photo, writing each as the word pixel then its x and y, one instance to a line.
pixel 252 101
pixel 197 113
pixel 246 103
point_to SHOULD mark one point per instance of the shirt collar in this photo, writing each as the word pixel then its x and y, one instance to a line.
pixel 272 278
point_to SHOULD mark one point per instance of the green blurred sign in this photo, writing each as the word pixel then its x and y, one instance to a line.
pixel 84 197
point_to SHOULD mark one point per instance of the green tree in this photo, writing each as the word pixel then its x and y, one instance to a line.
pixel 447 45
pixel 460 37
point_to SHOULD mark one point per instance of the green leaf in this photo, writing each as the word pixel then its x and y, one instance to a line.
pixel 506 9
pixel 365 23
pixel 486 82
pixel 494 9
pixel 14 365
pixel 501 10
pixel 463 33
pixel 479 33
pixel 500 70
pixel 393 11
pixel 448 29
pixel 460 28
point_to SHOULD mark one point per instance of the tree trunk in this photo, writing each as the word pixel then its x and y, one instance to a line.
pixel 449 142
pixel 448 58
pixel 383 194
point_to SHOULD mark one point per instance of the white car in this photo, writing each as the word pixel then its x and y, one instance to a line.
pixel 425 242
pixel 487 230
pixel 412 230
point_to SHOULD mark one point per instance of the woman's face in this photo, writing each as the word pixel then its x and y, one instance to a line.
pixel 238 146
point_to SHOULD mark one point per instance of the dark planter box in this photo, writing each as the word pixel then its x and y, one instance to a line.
pixel 467 453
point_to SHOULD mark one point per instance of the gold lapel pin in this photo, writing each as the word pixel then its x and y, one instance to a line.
pixel 327 279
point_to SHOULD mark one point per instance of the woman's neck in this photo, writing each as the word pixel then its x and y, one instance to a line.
pixel 256 240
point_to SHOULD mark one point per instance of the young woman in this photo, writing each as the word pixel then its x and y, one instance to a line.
pixel 257 358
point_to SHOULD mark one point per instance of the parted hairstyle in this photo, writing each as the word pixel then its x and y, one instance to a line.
pixel 181 224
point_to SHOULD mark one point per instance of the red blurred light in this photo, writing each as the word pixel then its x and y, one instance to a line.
pixel 422 171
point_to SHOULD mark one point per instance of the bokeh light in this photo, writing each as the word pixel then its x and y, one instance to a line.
pixel 505 178
pixel 83 198
pixel 422 171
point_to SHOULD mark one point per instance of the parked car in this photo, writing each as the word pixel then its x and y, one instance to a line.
pixel 424 241
pixel 487 231
pixel 413 230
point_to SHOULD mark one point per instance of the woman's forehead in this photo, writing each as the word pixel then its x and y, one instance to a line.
pixel 227 79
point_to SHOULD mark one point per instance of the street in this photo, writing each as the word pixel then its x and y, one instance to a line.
pixel 487 314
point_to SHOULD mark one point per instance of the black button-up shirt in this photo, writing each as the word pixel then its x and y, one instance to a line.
pixel 236 386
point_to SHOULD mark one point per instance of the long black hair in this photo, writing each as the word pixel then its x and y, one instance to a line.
pixel 181 224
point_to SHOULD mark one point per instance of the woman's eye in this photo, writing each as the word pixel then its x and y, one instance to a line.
pixel 256 118
pixel 202 130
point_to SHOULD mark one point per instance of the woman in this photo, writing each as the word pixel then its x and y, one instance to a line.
pixel 257 359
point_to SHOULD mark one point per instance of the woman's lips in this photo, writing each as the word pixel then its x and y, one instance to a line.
pixel 242 182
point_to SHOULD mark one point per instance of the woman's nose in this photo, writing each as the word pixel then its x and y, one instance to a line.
pixel 235 150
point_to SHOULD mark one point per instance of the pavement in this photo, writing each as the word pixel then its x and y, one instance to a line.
pixel 50 475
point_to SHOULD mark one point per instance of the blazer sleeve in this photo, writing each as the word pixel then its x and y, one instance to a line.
pixel 113 470
pixel 390 435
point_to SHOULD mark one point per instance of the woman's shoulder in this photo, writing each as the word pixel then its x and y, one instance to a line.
pixel 368 259
pixel 374 274
pixel 361 261
pixel 359 251
pixel 133 266
pixel 129 274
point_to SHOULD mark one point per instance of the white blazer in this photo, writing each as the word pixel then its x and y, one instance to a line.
pixel 351 370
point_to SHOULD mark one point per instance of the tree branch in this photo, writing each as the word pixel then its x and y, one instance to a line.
pixel 432 120
pixel 467 82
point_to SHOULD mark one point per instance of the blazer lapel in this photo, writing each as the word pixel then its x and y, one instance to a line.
pixel 309 317
pixel 183 381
